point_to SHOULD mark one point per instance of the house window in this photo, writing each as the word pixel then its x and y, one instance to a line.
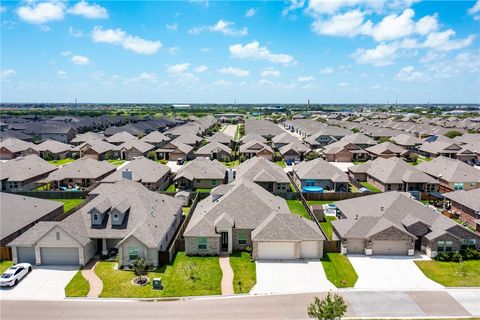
pixel 214 183
pixel 198 181
pixel 116 217
pixel 133 253
pixel 202 243
pixel 242 237
pixel 57 235
pixel 468 243
pixel 95 217
pixel 389 187
pixel 458 186
pixel 444 246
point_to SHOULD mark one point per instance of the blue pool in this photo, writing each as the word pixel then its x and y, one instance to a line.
pixel 312 189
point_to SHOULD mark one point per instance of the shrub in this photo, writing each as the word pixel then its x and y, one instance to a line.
pixel 109 155
pixel 151 155
pixel 242 158
pixel 452 134
pixel 470 254
pixel 456 257
pixel 48 157
pixel 139 267
pixel 333 306
pixel 311 155
pixel 443 257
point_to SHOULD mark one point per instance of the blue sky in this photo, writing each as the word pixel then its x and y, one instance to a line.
pixel 328 51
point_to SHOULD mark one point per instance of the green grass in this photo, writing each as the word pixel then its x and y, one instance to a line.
pixel 4 265
pixel 369 187
pixel 244 271
pixel 232 164
pixel 339 270
pixel 61 162
pixel 353 188
pixel 327 226
pixel 312 202
pixel 281 164
pixel 175 278
pixel 204 190
pixel 452 274
pixel 69 203
pixel 296 207
pixel 358 162
pixel 186 211
pixel 171 188
pixel 292 188
pixel 162 161
pixel 116 162
pixel 78 286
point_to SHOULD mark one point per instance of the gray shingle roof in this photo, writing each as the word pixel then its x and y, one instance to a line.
pixel 450 170
pixel 386 148
pixel 155 137
pixel 87 136
pixel 121 137
pixel 220 137
pixel 202 168
pixel 250 169
pixel 143 170
pixel 16 145
pixel 83 168
pixel 469 199
pixel 319 169
pixel 53 146
pixel 395 170
pixel 286 227
pixel 25 168
pixel 213 147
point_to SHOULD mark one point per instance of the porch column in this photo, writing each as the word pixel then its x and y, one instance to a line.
pixel 230 240
pixel 81 259
pixel 14 255
pixel 38 257
pixel 104 247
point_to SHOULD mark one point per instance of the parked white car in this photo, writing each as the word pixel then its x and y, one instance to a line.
pixel 14 274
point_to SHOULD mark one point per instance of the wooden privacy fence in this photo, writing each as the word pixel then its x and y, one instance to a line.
pixel 52 194
pixel 5 253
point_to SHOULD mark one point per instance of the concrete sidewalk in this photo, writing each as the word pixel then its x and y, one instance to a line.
pixel 227 275
pixel 96 284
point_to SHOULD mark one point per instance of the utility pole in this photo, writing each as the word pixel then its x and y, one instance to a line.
pixel 76 107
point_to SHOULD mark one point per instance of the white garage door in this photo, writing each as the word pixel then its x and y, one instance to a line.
pixel 355 246
pixel 60 256
pixel 276 250
pixel 390 247
pixel 309 249
pixel 26 254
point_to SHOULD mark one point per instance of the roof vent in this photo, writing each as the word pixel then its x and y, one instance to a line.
pixel 356 217
pixel 381 208
pixel 127 174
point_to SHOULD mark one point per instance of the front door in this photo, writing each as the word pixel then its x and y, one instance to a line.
pixel 224 241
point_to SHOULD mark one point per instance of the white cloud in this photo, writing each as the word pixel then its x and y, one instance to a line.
pixel 66 53
pixel 393 27
pixel 80 60
pixel 173 50
pixel 200 69
pixel 222 82
pixel 347 24
pixel 292 6
pixel 75 33
pixel 329 6
pixel 3 9
pixel 7 74
pixel 237 72
pixel 61 74
pixel 327 71
pixel 172 27
pixel 250 12
pixel 39 13
pixel 253 51
pixel 178 68
pixel 343 84
pixel 427 24
pixel 409 73
pixel 441 41
pixel 381 55
pixel 270 72
pixel 89 11
pixel 222 26
pixel 473 11
pixel 306 79
pixel 142 78
pixel 128 42
pixel 205 49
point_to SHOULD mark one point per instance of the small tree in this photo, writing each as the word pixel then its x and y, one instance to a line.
pixel 453 133
pixel 151 155
pixel 384 139
pixel 191 270
pixel 109 155
pixel 333 306
pixel 139 267
pixel 311 155
pixel 413 157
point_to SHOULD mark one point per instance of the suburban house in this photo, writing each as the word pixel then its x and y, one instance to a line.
pixel 326 136
pixel 174 150
pixel 294 151
pixel 407 141
pixel 201 173
pixel 446 148
pixel 87 136
pixel 393 223
pixel 264 173
pixel 264 128
pixel 244 214
pixel 121 137
pixel 189 138
pixel 283 139
pixel 221 138
pixel 215 150
pixel 21 174
pixel 11 148
pixel 344 151
pixel 393 174
pixel 20 213
pixel 252 136
pixel 51 130
pixel 54 150
pixel 151 174
pixel 466 204
pixel 254 148
pixel 155 138
pixel 81 173
pixel 96 149
pixel 451 173
pixel 360 140
pixel 386 150
pixel 124 217
pixel 134 148
pixel 320 173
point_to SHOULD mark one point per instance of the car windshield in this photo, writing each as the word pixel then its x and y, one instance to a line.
pixel 6 275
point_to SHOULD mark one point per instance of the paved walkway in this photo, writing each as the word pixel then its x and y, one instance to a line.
pixel 227 275
pixel 96 285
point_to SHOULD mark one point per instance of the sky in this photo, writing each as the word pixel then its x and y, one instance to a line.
pixel 328 51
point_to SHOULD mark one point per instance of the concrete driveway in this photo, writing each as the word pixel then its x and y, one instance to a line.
pixel 390 273
pixel 43 283
pixel 342 165
pixel 230 130
pixel 174 166
pixel 290 276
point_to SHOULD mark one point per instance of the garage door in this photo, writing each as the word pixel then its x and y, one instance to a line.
pixel 26 254
pixel 59 256
pixel 309 249
pixel 276 250
pixel 355 246
pixel 390 247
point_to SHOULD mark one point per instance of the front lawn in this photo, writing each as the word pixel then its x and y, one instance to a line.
pixel 452 274
pixel 204 190
pixel 296 207
pixel 78 286
pixel 327 226
pixel 312 202
pixel 188 276
pixel 369 187
pixel 339 270
pixel 116 162
pixel 244 270
pixel 281 164
pixel 4 265
pixel 68 204
pixel 171 188
pixel 61 162
pixel 232 164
